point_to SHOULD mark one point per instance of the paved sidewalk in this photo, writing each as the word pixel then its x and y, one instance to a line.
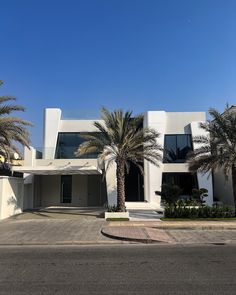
pixel 173 236
pixel 203 236
pixel 172 231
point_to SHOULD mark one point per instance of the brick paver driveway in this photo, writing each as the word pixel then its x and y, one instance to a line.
pixel 53 226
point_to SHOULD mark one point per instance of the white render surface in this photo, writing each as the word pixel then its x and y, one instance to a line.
pixel 111 185
pixel 11 196
pixel 152 174
pixel 52 119
pixel 78 126
pixel 161 121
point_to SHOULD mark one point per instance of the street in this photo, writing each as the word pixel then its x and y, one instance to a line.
pixel 118 269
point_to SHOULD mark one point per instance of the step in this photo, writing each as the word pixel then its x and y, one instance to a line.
pixel 143 206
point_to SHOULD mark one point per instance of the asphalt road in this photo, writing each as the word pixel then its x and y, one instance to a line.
pixel 120 269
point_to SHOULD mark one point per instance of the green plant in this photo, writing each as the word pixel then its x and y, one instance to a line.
pixel 216 211
pixel 169 193
pixel 217 149
pixel 12 129
pixel 186 202
pixel 199 195
pixel 113 208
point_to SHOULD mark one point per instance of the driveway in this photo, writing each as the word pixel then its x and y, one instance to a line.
pixel 54 226
pixel 61 213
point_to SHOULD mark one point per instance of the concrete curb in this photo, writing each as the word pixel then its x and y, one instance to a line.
pixel 120 238
pixel 138 234
pixel 179 225
pixel 69 243
pixel 194 227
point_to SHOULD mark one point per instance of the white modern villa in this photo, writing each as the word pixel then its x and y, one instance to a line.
pixel 55 177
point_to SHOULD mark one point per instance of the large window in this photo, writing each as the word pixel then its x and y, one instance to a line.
pixel 67 144
pixel 185 181
pixel 176 148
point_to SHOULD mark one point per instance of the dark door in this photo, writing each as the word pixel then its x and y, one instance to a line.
pixel 134 187
pixel 66 188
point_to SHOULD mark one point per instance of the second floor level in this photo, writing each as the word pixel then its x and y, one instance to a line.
pixel 62 136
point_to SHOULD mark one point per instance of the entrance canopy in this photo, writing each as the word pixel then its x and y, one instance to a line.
pixel 57 170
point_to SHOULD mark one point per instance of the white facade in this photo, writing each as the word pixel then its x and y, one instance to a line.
pixel 42 176
pixel 170 123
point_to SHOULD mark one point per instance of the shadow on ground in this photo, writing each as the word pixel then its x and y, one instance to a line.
pixel 60 213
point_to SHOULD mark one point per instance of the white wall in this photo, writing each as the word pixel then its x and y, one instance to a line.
pixel 11 196
pixel 111 185
pixel 52 119
pixel 152 174
pixel 78 126
pixel 178 122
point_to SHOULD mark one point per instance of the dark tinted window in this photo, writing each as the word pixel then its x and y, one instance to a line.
pixel 186 181
pixel 67 144
pixel 176 148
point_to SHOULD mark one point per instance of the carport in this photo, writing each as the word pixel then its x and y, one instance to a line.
pixel 67 185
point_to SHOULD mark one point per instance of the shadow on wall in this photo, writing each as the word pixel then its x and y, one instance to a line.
pixel 12 202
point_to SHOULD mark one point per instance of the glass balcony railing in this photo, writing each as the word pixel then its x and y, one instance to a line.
pixel 61 153
pixel 80 115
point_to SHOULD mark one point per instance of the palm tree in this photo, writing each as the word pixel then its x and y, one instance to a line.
pixel 123 140
pixel 13 130
pixel 217 150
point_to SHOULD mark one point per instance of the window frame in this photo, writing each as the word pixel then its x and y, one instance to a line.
pixel 57 149
pixel 194 178
pixel 178 160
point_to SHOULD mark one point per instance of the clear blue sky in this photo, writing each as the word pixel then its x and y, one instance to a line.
pixel 176 55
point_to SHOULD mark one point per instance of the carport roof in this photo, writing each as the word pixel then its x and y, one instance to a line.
pixel 57 170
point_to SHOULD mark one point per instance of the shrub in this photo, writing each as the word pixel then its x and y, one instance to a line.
pixel 200 195
pixel 216 211
pixel 169 193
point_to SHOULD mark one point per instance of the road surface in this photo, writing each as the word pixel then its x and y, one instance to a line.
pixel 118 269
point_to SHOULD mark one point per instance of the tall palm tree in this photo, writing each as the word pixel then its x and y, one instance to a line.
pixel 218 149
pixel 123 140
pixel 13 130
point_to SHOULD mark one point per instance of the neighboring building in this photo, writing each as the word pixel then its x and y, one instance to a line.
pixel 55 177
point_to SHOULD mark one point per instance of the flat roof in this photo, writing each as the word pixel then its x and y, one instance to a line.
pixel 57 170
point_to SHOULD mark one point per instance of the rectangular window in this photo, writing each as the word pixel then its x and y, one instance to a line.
pixel 176 148
pixel 68 143
pixel 66 188
pixel 185 181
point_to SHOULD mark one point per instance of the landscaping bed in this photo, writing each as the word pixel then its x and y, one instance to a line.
pixel 198 219
pixel 203 212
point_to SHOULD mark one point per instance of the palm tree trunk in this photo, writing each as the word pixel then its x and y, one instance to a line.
pixel 120 178
pixel 234 186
